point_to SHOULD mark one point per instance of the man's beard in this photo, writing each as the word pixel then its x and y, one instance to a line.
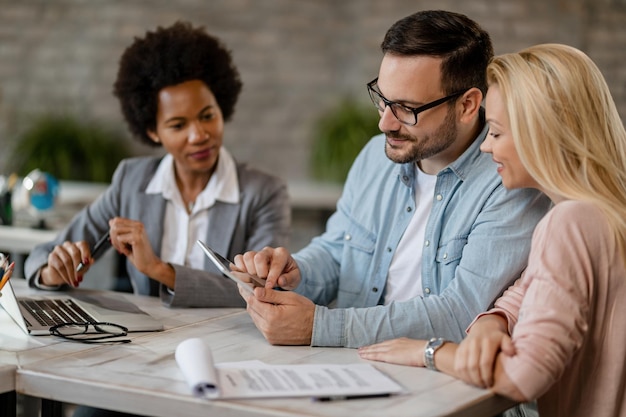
pixel 425 147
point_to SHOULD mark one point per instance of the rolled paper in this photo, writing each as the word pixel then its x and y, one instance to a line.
pixel 195 361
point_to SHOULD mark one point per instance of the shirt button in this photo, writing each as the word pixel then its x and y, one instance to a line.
pixel 445 256
pixel 388 249
pixel 439 197
pixel 405 178
pixel 375 289
pixel 347 237
pixel 427 243
pixel 409 209
pixel 427 290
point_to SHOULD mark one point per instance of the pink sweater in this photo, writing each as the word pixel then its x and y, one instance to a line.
pixel 567 317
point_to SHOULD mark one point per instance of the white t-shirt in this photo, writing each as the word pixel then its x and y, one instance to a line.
pixel 182 229
pixel 404 280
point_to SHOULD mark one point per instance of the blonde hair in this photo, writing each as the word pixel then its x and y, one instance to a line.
pixel 565 126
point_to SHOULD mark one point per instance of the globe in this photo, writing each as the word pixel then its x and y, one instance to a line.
pixel 42 189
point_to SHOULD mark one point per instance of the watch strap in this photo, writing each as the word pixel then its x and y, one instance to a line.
pixel 429 352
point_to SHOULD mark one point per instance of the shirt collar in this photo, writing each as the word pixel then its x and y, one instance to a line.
pixel 461 165
pixel 223 185
pixel 465 162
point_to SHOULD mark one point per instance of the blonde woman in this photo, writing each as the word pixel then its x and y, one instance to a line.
pixel 559 333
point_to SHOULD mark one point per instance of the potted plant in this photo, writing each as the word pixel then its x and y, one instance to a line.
pixel 339 136
pixel 69 150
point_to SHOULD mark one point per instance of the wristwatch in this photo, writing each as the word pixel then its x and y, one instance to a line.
pixel 429 352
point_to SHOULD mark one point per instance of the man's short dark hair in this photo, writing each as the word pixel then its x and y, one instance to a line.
pixel 167 57
pixel 465 48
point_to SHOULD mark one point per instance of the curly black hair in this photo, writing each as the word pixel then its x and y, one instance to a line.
pixel 171 56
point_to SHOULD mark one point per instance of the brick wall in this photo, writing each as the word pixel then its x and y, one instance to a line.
pixel 297 57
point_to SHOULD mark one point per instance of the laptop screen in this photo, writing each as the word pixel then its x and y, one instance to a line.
pixel 10 305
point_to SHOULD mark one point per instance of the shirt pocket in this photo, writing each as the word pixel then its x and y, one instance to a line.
pixel 451 251
pixel 359 238
pixel 358 251
pixel 448 258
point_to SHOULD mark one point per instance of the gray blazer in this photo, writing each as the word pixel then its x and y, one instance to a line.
pixel 262 218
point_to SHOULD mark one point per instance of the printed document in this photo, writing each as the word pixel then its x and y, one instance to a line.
pixel 255 379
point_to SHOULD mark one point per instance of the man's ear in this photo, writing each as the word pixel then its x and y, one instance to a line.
pixel 153 136
pixel 471 101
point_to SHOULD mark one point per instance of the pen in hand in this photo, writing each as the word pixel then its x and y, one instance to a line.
pixel 99 246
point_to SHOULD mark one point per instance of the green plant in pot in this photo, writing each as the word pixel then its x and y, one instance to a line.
pixel 339 136
pixel 69 150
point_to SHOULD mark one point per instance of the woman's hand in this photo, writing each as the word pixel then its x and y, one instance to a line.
pixel 401 351
pixel 129 238
pixel 62 264
pixel 476 356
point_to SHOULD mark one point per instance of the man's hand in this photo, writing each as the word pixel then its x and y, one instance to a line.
pixel 276 265
pixel 284 318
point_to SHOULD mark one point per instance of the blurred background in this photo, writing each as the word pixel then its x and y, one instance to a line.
pixel 300 61
pixel 304 112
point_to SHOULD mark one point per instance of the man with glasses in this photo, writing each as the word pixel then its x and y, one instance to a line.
pixel 425 236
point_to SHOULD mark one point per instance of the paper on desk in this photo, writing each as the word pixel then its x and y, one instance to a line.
pixel 195 361
pixel 255 379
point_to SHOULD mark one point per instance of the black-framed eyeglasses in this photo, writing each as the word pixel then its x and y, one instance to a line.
pixel 405 114
pixel 96 332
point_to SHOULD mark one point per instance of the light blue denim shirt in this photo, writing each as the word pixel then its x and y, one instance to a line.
pixel 476 244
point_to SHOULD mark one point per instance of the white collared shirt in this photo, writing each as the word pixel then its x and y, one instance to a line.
pixel 182 229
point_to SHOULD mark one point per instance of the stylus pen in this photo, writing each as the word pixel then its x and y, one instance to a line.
pixel 97 248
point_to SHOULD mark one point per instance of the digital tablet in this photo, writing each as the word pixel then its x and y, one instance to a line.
pixel 223 265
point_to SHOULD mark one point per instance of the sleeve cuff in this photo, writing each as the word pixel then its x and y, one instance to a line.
pixel 35 283
pixel 497 312
pixel 328 327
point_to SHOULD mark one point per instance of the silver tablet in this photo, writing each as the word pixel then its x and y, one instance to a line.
pixel 223 265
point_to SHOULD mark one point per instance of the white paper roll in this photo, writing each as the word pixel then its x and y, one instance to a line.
pixel 195 361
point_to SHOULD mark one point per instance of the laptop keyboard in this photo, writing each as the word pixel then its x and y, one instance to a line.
pixel 51 312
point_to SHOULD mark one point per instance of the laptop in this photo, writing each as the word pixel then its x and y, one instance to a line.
pixel 35 316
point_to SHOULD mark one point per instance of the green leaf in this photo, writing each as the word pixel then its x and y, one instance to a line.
pixel 339 136
pixel 69 150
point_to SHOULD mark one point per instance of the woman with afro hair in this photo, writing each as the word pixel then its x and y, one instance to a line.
pixel 177 86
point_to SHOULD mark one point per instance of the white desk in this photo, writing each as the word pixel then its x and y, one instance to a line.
pixel 142 377
pixel 19 349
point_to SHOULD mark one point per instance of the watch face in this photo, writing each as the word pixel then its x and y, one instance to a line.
pixel 429 352
pixel 435 343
